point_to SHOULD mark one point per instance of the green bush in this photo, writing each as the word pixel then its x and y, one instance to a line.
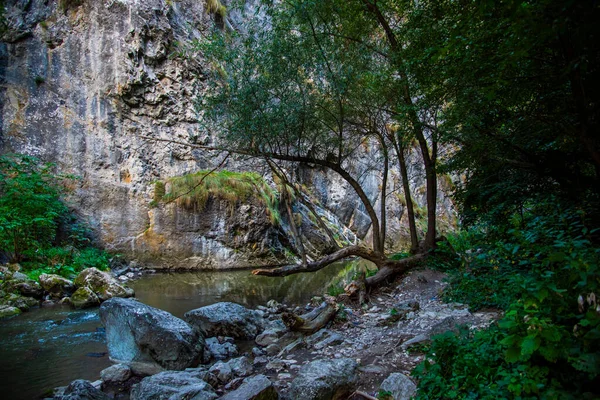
pixel 30 206
pixel 545 272
pixel 36 228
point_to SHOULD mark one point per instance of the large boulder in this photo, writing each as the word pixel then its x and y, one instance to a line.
pixel 56 285
pixel 172 385
pixel 226 319
pixel 102 283
pixel 325 380
pixel 82 390
pixel 258 387
pixel 399 386
pixel 149 339
pixel 84 297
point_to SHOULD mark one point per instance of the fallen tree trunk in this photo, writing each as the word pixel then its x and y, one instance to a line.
pixel 350 251
pixel 311 322
pixel 387 268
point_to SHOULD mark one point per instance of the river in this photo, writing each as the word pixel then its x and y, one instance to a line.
pixel 50 347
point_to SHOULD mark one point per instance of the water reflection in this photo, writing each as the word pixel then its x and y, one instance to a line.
pixel 183 291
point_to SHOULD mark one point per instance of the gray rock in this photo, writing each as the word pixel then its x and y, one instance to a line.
pixel 149 339
pixel 102 283
pixel 260 360
pixel 272 349
pixel 241 366
pixel 81 390
pixel 226 319
pixel 399 385
pixel 222 371
pixel 84 297
pixel 221 351
pixel 115 373
pixel 331 339
pixel 172 385
pixel 266 338
pixel 417 339
pixel 56 285
pixel 257 351
pixel 258 387
pixel 325 380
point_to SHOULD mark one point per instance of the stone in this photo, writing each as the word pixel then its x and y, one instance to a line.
pixel 272 349
pixel 276 365
pixel 222 371
pixel 399 385
pixel 241 366
pixel 172 385
pixel 84 297
pixel 22 303
pixel 102 283
pixel 331 339
pixel 258 387
pixel 149 339
pixel 82 390
pixel 260 360
pixel 56 285
pixel 226 319
pixel 266 338
pixel 29 288
pixel 221 351
pixel 8 311
pixel 325 380
pixel 116 373
pixel 234 384
pixel 257 351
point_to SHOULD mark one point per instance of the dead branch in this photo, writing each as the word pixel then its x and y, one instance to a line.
pixel 311 322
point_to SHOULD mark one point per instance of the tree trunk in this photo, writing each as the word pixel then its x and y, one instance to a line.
pixel 387 268
pixel 410 209
pixel 383 218
pixel 417 126
pixel 311 322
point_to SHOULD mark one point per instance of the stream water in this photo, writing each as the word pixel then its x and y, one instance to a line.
pixel 50 347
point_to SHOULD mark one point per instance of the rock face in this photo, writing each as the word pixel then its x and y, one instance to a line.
pixel 400 386
pixel 324 380
pixel 226 319
pixel 149 339
pixel 258 387
pixel 82 390
pixel 170 385
pixel 102 284
pixel 83 82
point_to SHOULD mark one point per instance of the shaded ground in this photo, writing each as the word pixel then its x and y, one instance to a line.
pixel 376 336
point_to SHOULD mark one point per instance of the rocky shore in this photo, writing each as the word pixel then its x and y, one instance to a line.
pixel 91 287
pixel 227 351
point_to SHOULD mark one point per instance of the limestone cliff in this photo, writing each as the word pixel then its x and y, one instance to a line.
pixel 83 81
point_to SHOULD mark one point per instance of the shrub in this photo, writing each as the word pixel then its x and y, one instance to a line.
pixel 545 272
pixel 30 206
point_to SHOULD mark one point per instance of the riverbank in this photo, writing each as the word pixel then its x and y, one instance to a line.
pixel 371 345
